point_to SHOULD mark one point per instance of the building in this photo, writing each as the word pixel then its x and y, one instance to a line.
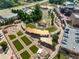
pixel 46 40
pixel 6 15
pixel 1 50
pixel 69 5
pixel 70 42
pixel 60 15
pixel 75 17
pixel 37 32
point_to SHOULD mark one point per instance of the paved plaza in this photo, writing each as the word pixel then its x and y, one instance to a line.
pixel 13 31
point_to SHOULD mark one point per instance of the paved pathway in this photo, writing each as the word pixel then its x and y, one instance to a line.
pixel 59 40
pixel 26 48
pixel 23 6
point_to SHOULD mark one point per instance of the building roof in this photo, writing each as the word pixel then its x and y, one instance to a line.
pixel 7 14
pixel 1 34
pixel 37 31
pixel 46 40
pixel 68 2
pixel 71 39
pixel 76 8
pixel 76 15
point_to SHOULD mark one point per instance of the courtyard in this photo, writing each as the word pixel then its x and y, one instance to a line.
pixel 21 43
pixel 26 46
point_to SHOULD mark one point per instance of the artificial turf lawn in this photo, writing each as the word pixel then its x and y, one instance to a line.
pixel 51 29
pixel 25 55
pixel 18 45
pixel 12 36
pixel 62 56
pixel 34 49
pixel 19 33
pixel 26 40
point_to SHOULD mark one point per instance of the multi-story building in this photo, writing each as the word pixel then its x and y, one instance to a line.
pixel 75 17
pixel 69 5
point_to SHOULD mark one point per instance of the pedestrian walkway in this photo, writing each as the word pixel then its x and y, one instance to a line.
pixel 59 40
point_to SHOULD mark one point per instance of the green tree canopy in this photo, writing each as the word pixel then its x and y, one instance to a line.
pixel 36 13
pixel 55 38
pixel 56 1
pixel 4 45
pixel 6 4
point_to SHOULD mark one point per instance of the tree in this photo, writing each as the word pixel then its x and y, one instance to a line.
pixel 58 55
pixel 71 0
pixel 6 4
pixel 53 45
pixel 4 45
pixel 23 15
pixel 49 12
pixel 56 1
pixel 16 1
pixel 55 38
pixel 36 13
pixel 52 16
pixel 33 0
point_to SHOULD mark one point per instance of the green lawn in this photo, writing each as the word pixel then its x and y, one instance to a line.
pixel 25 55
pixel 19 33
pixel 18 45
pixel 26 40
pixel 34 49
pixel 31 25
pixel 12 36
pixel 51 29
pixel 62 56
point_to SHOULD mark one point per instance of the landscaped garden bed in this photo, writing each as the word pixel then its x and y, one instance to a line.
pixel 31 25
pixel 19 33
pixel 18 45
pixel 26 40
pixel 34 49
pixel 25 55
pixel 12 36
pixel 51 29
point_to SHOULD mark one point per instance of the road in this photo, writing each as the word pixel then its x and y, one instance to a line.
pixel 23 6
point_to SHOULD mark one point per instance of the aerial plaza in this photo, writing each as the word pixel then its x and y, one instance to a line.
pixel 39 29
